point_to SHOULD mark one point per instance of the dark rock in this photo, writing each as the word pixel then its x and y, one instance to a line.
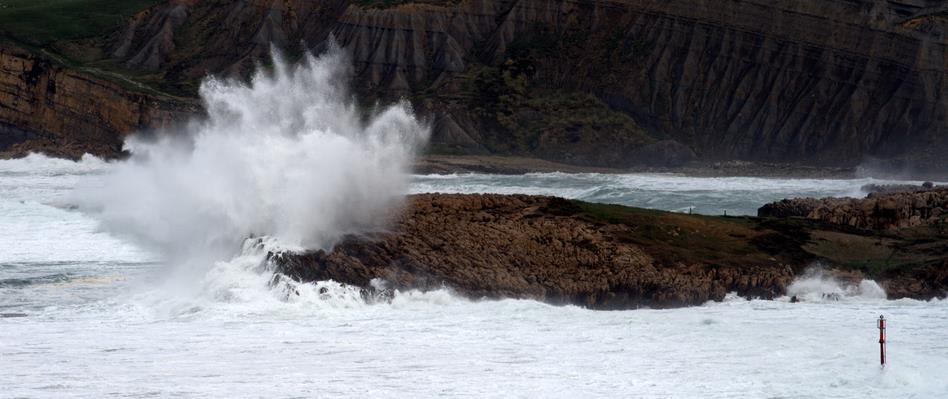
pixel 599 256
pixel 880 211
pixel 668 153
pixel 876 189
pixel 797 207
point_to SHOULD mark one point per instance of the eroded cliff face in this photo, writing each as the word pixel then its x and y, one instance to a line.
pixel 829 82
pixel 64 112
pixel 607 83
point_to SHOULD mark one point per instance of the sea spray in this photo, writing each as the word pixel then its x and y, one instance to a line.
pixel 816 284
pixel 287 156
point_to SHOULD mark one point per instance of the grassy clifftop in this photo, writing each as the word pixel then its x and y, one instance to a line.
pixel 47 22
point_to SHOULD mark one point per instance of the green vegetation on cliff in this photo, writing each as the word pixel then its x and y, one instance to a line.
pixel 533 118
pixel 44 22
pixel 543 96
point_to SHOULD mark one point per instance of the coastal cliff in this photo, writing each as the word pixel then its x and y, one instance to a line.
pixel 613 257
pixel 48 108
pixel 596 83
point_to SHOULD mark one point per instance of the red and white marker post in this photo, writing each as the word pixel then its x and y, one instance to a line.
pixel 882 339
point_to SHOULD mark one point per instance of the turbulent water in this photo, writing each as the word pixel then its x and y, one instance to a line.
pixel 87 314
pixel 704 195
pixel 136 279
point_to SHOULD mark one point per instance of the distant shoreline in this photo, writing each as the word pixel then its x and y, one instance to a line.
pixel 514 165
pixel 449 164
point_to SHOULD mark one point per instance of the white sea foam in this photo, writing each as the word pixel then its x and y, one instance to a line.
pixel 287 156
pixel 99 335
pixel 674 192
pixel 818 285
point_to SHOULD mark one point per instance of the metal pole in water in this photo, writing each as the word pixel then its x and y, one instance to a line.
pixel 881 325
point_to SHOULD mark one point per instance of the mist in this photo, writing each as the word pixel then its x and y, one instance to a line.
pixel 288 156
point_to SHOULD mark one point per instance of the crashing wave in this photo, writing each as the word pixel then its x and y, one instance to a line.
pixel 818 285
pixel 288 157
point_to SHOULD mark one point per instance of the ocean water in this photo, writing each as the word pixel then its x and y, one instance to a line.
pixel 147 277
pixel 671 192
pixel 87 313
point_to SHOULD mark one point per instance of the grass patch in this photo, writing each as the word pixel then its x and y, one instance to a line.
pixel 672 237
pixel 879 253
pixel 747 241
pixel 43 22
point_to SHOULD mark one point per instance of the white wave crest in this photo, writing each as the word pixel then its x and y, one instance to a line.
pixel 818 285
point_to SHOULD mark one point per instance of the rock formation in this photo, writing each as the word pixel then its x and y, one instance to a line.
pixel 49 108
pixel 600 256
pixel 595 82
pixel 876 189
pixel 879 211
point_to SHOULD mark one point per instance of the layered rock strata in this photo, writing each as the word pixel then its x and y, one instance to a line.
pixel 828 82
pixel 49 108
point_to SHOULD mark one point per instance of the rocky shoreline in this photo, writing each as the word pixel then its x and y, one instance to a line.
pixel 615 257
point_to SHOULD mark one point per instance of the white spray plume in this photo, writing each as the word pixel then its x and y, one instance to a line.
pixel 818 285
pixel 287 156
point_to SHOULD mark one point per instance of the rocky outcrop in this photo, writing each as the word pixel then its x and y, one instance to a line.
pixel 878 189
pixel 49 108
pixel 921 283
pixel 790 207
pixel 512 247
pixel 600 256
pixel 878 211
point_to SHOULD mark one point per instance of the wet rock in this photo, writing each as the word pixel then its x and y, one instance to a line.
pixel 519 247
pixel 609 257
